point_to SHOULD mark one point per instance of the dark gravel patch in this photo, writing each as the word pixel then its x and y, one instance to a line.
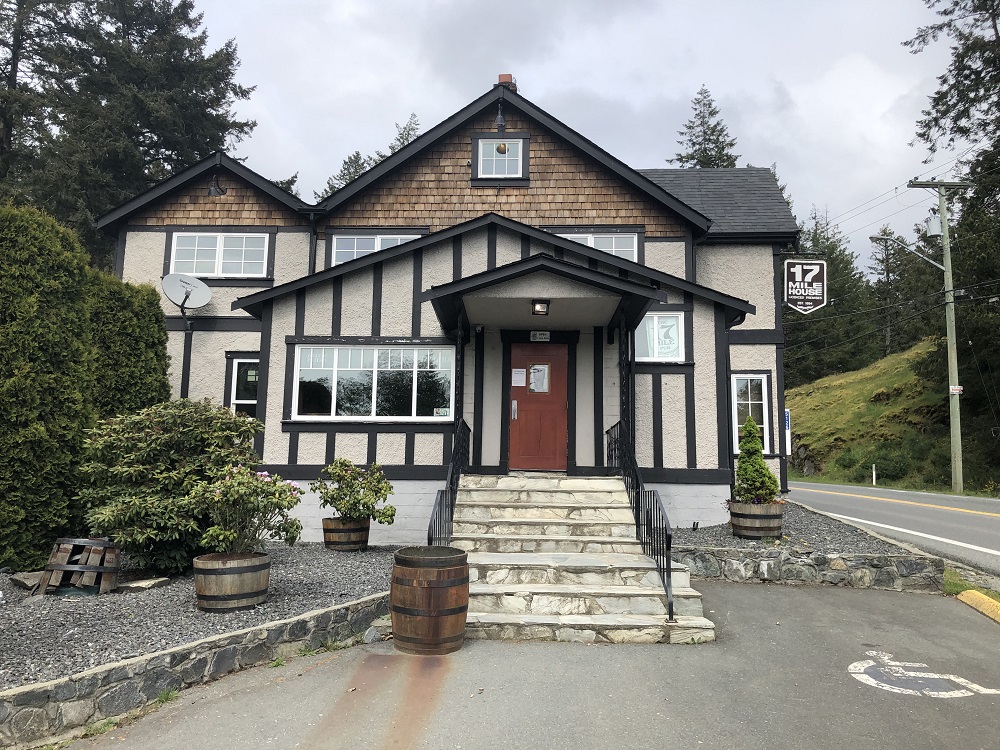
pixel 56 636
pixel 802 529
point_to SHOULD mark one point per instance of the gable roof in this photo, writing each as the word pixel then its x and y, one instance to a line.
pixel 217 162
pixel 741 202
pixel 254 303
pixel 488 101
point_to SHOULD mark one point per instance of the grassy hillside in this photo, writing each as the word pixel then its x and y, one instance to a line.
pixel 882 414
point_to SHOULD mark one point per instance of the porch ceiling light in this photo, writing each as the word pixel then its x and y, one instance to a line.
pixel 539 307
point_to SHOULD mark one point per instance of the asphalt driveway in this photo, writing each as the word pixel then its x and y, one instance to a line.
pixel 780 676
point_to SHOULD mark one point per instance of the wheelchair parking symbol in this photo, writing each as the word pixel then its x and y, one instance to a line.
pixel 911 678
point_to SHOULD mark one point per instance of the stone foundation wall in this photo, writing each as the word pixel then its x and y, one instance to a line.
pixel 892 572
pixel 32 713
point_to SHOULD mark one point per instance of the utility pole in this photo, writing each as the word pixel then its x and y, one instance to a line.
pixel 954 390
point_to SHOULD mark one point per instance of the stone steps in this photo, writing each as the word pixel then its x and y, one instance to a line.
pixel 556 558
pixel 543 543
pixel 579 600
pixel 631 628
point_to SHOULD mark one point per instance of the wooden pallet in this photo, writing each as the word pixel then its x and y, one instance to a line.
pixel 81 563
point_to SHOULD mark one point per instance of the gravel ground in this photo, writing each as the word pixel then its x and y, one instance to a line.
pixel 801 529
pixel 54 636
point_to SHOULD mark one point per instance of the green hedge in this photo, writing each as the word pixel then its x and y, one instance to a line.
pixel 46 371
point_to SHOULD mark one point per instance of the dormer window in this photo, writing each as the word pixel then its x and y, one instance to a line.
pixel 500 159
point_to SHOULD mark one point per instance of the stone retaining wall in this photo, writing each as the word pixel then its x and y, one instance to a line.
pixel 33 713
pixel 892 572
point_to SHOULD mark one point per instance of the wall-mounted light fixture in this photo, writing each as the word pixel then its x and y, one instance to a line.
pixel 215 189
pixel 500 122
pixel 539 307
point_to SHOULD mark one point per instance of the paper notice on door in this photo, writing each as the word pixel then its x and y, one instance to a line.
pixel 518 377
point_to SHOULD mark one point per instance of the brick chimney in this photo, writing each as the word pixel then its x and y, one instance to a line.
pixel 507 81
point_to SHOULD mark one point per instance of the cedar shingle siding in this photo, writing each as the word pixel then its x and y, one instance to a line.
pixel 242 205
pixel 566 188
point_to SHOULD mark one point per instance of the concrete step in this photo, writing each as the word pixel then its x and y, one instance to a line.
pixel 549 599
pixel 602 569
pixel 542 543
pixel 542 481
pixel 633 628
pixel 544 527
pixel 478 511
pixel 542 497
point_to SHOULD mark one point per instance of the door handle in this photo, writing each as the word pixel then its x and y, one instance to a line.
pixel 513 410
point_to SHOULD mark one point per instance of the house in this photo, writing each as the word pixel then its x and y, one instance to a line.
pixel 501 270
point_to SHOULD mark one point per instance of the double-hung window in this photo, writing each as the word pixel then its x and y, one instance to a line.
pixel 660 338
pixel 619 245
pixel 219 254
pixel 377 383
pixel 349 247
pixel 750 398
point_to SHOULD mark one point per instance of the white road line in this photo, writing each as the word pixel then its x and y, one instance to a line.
pixel 920 534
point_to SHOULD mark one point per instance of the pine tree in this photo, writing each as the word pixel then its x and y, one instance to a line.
pixel 755 483
pixel 356 165
pixel 705 141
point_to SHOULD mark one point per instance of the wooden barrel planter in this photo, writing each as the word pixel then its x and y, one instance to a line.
pixel 347 535
pixel 756 521
pixel 429 599
pixel 229 583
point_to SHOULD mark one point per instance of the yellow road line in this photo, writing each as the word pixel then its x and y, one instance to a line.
pixel 902 502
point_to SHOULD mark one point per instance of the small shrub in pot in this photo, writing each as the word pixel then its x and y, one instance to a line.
pixel 356 495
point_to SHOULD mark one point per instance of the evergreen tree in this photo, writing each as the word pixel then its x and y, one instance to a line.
pixel 288 184
pixel 841 336
pixel 705 138
pixel 755 482
pixel 356 165
pixel 103 99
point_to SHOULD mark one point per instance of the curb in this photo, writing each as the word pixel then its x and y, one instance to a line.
pixel 57 709
pixel 981 603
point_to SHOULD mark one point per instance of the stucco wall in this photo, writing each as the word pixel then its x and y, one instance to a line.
pixel 705 413
pixel 508 247
pixel 397 297
pixel 493 409
pixel 612 379
pixel 175 351
pixel 644 419
pixel 473 253
pixel 437 268
pixel 674 421
pixel 584 405
pixel 276 441
pixel 291 256
pixel 356 304
pixel 744 271
pixel 144 257
pixel 666 256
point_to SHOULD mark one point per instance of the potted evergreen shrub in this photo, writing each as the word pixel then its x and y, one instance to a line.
pixel 244 508
pixel 755 510
pixel 357 495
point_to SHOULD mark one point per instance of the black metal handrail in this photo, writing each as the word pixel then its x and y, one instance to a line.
pixel 442 517
pixel 652 527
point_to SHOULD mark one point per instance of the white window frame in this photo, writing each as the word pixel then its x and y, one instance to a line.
pixel 765 379
pixel 219 247
pixel 233 400
pixel 493 143
pixel 590 239
pixel 398 239
pixel 680 337
pixel 371 417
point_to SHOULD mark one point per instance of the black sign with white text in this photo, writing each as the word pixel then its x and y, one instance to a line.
pixel 805 284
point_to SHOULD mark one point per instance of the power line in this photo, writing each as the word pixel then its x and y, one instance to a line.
pixel 854 338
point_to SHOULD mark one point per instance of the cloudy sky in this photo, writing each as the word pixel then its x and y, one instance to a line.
pixel 823 89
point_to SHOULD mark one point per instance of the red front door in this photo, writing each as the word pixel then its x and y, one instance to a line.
pixel 538 410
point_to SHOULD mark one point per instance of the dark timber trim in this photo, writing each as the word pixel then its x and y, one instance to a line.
pixel 372 448
pixel 369 428
pixel 599 395
pixel 392 471
pixel 456 257
pixel 571 405
pixel 338 303
pixel 687 476
pixel 723 397
pixel 409 448
pixel 750 336
pixel 418 270
pixel 120 241
pixel 689 420
pixel 491 247
pixel 231 323
pixel 377 299
pixel 779 374
pixel 293 448
pixel 525 246
pixel 186 364
pixel 371 340
pixel 657 388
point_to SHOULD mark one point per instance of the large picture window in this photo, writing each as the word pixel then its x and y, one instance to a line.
pixel 374 383
pixel 660 338
pixel 619 245
pixel 750 398
pixel 219 255
pixel 349 247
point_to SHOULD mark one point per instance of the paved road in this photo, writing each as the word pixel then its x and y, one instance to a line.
pixel 777 678
pixel 966 529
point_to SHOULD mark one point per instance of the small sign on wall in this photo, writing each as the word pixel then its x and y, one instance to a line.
pixel 541 335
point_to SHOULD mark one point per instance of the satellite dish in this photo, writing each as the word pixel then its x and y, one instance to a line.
pixel 185 291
